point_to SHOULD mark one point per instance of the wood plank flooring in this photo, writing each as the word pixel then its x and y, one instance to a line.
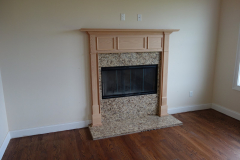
pixel 205 134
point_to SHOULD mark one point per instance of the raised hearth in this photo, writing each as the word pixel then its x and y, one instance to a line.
pixel 129 126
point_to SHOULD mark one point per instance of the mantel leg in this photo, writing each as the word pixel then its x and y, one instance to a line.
pixel 96 115
pixel 163 107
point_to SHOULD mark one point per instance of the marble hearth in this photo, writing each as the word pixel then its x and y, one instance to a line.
pixel 129 126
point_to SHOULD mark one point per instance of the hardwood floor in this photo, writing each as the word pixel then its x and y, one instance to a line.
pixel 205 134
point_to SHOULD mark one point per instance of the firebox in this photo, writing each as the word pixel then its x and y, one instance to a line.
pixel 129 81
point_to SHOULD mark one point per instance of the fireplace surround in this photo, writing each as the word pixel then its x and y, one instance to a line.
pixel 122 41
pixel 118 109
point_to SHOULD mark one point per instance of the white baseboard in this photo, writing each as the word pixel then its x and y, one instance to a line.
pixel 189 108
pixel 76 125
pixel 82 124
pixel 49 129
pixel 226 111
pixel 216 107
pixel 4 145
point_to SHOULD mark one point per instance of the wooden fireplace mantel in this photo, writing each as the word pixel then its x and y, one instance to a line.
pixel 127 30
pixel 127 40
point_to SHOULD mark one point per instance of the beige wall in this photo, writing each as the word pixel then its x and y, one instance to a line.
pixel 44 56
pixel 3 115
pixel 223 94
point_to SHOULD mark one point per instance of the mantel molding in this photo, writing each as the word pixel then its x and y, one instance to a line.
pixel 127 30
pixel 122 41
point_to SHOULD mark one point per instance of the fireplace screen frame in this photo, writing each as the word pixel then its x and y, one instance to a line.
pixel 154 91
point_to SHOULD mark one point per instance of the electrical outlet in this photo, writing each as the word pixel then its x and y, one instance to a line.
pixel 122 17
pixel 190 93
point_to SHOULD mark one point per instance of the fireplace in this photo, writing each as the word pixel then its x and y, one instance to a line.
pixel 129 71
pixel 127 81
pixel 118 48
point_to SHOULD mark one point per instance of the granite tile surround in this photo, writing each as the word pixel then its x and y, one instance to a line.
pixel 129 126
pixel 118 109
pixel 128 59
pixel 126 115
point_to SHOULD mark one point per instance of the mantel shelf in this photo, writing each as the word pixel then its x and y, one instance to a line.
pixel 127 30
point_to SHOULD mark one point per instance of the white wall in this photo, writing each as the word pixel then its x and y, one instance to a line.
pixel 45 63
pixel 223 94
pixel 3 115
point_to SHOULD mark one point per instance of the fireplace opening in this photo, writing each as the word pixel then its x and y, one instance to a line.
pixel 129 81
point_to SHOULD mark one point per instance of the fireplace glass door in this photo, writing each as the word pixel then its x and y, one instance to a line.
pixel 129 81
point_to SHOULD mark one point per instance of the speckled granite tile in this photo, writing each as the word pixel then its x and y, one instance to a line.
pixel 118 109
pixel 129 126
pixel 128 59
pixel 129 107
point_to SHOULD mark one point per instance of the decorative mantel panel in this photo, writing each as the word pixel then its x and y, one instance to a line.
pixel 122 41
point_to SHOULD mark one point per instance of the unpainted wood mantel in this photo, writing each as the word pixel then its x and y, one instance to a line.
pixel 127 40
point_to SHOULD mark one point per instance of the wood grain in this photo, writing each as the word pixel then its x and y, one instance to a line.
pixel 205 134
pixel 131 43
